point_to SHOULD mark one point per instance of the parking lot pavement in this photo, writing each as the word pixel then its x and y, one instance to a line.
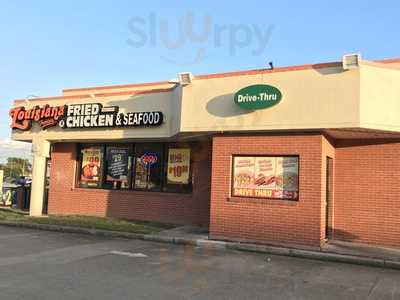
pixel 50 265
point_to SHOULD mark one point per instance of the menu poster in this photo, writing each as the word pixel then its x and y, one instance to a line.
pixel 243 176
pixel 178 166
pixel 265 170
pixel 91 166
pixel 117 167
pixel 265 177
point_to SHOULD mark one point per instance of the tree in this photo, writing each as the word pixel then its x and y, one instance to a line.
pixel 16 167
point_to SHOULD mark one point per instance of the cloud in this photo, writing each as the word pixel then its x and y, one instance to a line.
pixel 10 148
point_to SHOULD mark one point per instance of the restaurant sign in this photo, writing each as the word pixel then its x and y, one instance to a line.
pixel 149 159
pixel 90 115
pixel 258 96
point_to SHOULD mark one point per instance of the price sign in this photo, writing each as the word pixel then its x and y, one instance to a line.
pixel 117 169
pixel 178 165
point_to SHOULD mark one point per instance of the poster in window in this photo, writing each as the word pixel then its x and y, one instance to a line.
pixel 117 167
pixel 265 177
pixel 140 174
pixel 91 166
pixel 243 177
pixel 147 170
pixel 290 177
pixel 178 166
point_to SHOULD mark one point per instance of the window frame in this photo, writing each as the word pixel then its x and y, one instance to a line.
pixel 165 146
pixel 232 195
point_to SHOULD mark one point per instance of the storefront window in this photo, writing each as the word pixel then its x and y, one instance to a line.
pixel 118 162
pixel 91 168
pixel 141 166
pixel 274 177
pixel 148 166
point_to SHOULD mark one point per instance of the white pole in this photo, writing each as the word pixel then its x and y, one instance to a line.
pixel 41 152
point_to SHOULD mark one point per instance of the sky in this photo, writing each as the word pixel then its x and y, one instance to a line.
pixel 50 45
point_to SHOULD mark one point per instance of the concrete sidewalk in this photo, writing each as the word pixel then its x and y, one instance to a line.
pixel 362 250
pixel 332 251
pixel 189 235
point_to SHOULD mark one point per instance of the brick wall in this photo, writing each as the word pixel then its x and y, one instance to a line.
pixel 367 193
pixel 261 220
pixel 65 198
pixel 365 204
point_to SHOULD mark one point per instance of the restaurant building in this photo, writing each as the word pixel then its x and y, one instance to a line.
pixel 289 156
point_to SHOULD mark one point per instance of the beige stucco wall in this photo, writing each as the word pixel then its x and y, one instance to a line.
pixel 380 97
pixel 313 98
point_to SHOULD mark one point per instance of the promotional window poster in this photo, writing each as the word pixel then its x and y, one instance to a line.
pixel 117 165
pixel 266 177
pixel 144 174
pixel 140 174
pixel 91 166
pixel 178 166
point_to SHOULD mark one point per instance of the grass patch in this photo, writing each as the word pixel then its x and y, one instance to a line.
pixel 113 224
pixel 11 215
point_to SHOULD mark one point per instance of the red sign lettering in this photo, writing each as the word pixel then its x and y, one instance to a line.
pixel 47 116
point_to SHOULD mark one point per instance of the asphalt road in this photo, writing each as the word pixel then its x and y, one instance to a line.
pixel 49 265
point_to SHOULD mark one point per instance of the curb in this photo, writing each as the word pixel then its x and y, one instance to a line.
pixel 219 245
pixel 70 229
